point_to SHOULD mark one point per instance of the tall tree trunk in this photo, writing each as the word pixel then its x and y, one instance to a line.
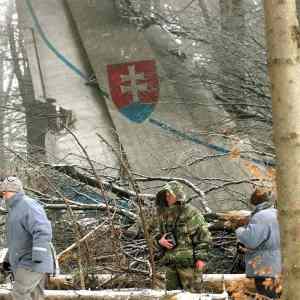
pixel 232 17
pixel 35 111
pixel 205 12
pixel 298 9
pixel 2 100
pixel 282 34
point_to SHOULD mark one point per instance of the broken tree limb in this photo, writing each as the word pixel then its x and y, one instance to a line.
pixel 229 220
pixel 62 256
pixel 100 206
pixel 109 186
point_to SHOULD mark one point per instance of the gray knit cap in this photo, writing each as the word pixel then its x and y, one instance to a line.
pixel 11 184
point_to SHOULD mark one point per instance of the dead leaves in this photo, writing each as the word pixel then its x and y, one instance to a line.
pixel 235 153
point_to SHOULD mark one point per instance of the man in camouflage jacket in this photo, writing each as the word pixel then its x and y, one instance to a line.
pixel 184 238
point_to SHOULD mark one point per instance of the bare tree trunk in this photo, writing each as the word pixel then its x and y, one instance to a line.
pixel 232 16
pixel 2 100
pixel 35 111
pixel 282 34
pixel 205 12
pixel 298 9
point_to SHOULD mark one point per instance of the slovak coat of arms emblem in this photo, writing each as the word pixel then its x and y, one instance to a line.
pixel 134 88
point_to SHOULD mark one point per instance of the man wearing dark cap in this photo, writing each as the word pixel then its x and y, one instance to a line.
pixel 184 237
pixel 262 244
pixel 29 237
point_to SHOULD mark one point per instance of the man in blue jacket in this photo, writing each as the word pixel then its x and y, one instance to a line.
pixel 29 237
pixel 262 245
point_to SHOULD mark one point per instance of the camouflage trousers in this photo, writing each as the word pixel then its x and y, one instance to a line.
pixel 188 279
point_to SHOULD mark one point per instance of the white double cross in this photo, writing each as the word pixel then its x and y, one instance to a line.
pixel 134 87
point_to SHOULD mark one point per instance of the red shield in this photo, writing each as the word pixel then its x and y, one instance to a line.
pixel 134 88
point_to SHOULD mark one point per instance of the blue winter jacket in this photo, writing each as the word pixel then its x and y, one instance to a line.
pixel 262 239
pixel 29 235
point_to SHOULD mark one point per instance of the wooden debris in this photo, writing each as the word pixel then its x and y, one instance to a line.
pixel 228 220
pixel 217 282
pixel 65 254
pixel 211 282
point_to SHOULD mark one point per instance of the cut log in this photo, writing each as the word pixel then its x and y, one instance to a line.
pixel 215 283
pixel 122 294
pixel 67 282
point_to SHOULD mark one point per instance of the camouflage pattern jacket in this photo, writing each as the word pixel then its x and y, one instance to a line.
pixel 190 231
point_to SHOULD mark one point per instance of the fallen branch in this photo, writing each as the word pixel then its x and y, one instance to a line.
pixel 101 206
pixel 109 186
pixel 228 220
pixel 62 256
